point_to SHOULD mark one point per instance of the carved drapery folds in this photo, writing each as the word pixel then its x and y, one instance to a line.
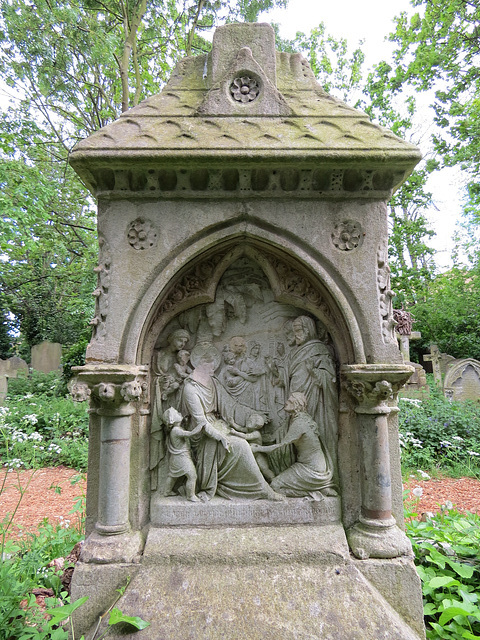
pixel 373 389
pixel 114 390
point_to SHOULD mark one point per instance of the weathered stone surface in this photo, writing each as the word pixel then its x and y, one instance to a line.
pixel 293 582
pixel 3 388
pixel 462 380
pixel 47 356
pixel 14 367
pixel 243 371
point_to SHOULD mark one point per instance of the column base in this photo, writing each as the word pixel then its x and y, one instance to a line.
pixel 370 538
pixel 112 530
pixel 121 548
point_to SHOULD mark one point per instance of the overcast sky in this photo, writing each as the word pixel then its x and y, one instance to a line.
pixel 371 21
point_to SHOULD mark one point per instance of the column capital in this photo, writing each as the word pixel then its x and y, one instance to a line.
pixel 373 387
pixel 111 386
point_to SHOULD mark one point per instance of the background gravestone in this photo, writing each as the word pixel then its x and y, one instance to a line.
pixel 12 368
pixel 46 356
pixel 462 380
pixel 244 468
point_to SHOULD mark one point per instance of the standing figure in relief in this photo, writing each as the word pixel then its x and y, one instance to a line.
pixel 180 462
pixel 312 472
pixel 166 393
pixel 258 368
pixel 225 463
pixel 311 371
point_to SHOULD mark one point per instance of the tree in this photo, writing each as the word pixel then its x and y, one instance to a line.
pixel 47 237
pixel 338 69
pixel 76 65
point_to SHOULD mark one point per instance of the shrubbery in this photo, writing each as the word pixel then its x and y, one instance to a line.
pixel 41 427
pixel 437 433
pixel 447 557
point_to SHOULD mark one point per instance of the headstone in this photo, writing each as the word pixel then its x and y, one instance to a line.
pixel 243 370
pixel 14 367
pixel 435 358
pixel 3 388
pixel 47 356
pixel 462 380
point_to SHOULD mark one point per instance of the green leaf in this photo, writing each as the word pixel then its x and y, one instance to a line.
pixel 442 581
pixel 451 612
pixel 63 613
pixel 117 616
pixel 463 570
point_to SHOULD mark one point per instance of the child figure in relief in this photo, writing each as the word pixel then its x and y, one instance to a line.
pixel 180 460
pixel 254 423
pixel 182 370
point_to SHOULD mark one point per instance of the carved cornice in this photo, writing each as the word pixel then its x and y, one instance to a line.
pixel 374 387
pixel 112 388
pixel 245 182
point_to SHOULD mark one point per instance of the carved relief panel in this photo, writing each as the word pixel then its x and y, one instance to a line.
pixel 245 398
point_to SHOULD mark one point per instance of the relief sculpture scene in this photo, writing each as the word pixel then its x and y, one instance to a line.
pixel 245 399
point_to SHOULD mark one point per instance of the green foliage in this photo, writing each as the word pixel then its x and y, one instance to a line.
pixel 43 430
pixel 437 433
pixel 447 556
pixel 448 313
pixel 338 69
pixel 74 357
pixel 47 236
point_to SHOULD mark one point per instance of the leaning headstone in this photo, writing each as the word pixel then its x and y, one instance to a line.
pixel 243 373
pixel 462 380
pixel 47 356
pixel 17 368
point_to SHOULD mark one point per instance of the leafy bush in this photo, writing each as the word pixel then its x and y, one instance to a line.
pixel 447 556
pixel 49 385
pixel 439 433
pixel 43 431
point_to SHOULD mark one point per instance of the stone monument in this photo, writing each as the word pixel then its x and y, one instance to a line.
pixel 47 356
pixel 244 468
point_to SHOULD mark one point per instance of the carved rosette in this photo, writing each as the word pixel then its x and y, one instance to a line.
pixel 347 235
pixel 101 291
pixel 385 295
pixel 141 234
pixel 244 89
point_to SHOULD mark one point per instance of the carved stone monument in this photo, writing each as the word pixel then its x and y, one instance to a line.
pixel 243 372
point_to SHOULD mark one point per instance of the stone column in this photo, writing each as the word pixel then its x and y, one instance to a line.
pixel 113 390
pixel 374 389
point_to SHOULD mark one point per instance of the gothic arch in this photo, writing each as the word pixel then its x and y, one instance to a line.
pixel 305 282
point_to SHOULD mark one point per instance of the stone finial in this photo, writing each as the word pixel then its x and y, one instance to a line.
pixel 244 73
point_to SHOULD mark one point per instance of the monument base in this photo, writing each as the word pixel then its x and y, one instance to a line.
pixel 245 583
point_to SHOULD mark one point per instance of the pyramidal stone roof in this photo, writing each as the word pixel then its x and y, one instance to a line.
pixel 244 107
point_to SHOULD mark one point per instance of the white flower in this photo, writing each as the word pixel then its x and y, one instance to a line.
pixel 35 436
pixel 418 492
pixel 412 401
pixel 424 475
pixel 457 438
pixel 473 453
pixel 32 418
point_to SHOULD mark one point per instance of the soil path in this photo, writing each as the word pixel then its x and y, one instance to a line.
pixel 41 500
